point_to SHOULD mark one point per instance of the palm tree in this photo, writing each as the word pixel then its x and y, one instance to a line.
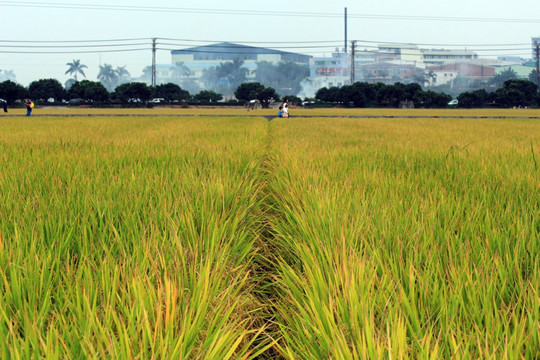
pixel 7 75
pixel 75 68
pixel 108 76
pixel 146 74
pixel 122 74
pixel 69 83
pixel 231 74
pixel 432 77
pixel 179 71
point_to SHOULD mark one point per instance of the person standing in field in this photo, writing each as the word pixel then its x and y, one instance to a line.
pixel 286 108
pixel 29 106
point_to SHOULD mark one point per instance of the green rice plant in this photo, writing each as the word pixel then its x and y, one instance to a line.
pixel 129 238
pixel 392 249
pixel 303 238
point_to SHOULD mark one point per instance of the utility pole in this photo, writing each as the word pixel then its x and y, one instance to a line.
pixel 353 49
pixel 345 30
pixel 154 62
pixel 537 53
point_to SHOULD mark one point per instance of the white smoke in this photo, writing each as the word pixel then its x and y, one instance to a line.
pixel 308 89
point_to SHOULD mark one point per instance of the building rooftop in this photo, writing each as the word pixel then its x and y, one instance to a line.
pixel 225 48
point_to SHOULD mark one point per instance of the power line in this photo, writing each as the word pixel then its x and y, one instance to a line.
pixel 71 41
pixel 232 44
pixel 70 46
pixel 256 42
pixel 112 45
pixel 440 44
pixel 236 12
pixel 248 50
pixel 72 52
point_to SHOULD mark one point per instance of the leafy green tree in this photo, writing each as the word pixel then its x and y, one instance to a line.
pixel 45 89
pixel 11 91
pixel 346 94
pixel 88 90
pixel 532 76
pixel 410 90
pixel 499 79
pixel 171 92
pixel 75 68
pixel 133 92
pixel 293 99
pixel 473 99
pixel 108 76
pixel 362 94
pixel 392 95
pixel 515 92
pixel 208 96
pixel 256 91
pixel 368 90
pixel 431 99
pixel 330 95
pixel 350 96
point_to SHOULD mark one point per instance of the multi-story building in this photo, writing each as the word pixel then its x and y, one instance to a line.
pixel 390 72
pixel 329 71
pixel 407 52
pixel 465 69
pixel 441 56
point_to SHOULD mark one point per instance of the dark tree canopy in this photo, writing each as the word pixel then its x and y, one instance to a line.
pixel 45 89
pixel 133 92
pixel 473 99
pixel 11 91
pixel 88 90
pixel 256 91
pixel 171 92
pixel 499 79
pixel 208 96
pixel 515 92
pixel 362 94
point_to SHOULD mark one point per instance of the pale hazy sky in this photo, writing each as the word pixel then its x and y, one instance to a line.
pixel 309 27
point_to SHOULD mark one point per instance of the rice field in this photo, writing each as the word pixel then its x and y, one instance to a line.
pixel 295 110
pixel 207 237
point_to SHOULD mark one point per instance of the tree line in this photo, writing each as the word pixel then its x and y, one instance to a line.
pixel 513 93
pixel 87 91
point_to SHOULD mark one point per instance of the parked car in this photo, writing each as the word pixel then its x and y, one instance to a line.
pixel 453 102
pixel 76 101
pixel 157 100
